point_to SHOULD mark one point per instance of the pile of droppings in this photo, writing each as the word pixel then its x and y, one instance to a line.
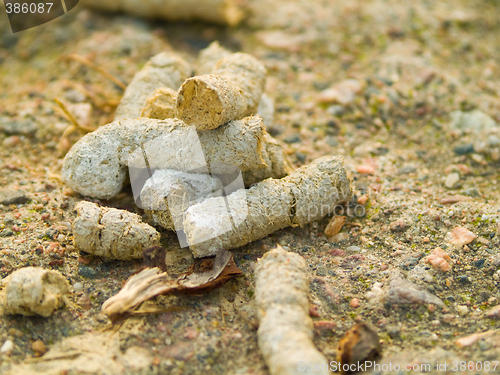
pixel 374 82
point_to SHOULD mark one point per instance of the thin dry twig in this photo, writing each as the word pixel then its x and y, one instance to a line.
pixel 97 100
pixel 90 64
pixel 68 114
pixel 76 126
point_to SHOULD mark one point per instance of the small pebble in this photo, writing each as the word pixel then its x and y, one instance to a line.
pixel 363 199
pixel 321 271
pixel 365 169
pixel 7 347
pixel 78 287
pixel 460 236
pixel 87 272
pixel 402 291
pixel 10 196
pixel 11 141
pixel 21 126
pixel 447 318
pixel 313 311
pixel 343 92
pixel 324 324
pixel 479 263
pixel 494 313
pixel 335 110
pixel 464 149
pixel 85 302
pixel 339 237
pixel 355 249
pixel 399 226
pixel 407 170
pixel 191 333
pixel 39 348
pixel 438 259
pixel 394 331
pixel 337 252
pixel 462 310
pixel 485 345
pixel 451 180
pixel 354 303
pixel 292 138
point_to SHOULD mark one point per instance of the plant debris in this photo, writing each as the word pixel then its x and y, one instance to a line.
pixel 360 344
pixel 200 278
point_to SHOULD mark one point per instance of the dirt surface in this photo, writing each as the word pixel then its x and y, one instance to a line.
pixel 410 64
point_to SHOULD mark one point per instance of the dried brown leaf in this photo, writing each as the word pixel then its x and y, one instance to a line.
pixel 335 225
pixel 360 344
pixel 202 277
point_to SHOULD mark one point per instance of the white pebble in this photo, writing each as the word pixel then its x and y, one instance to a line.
pixel 7 347
pixel 451 180
pixel 462 310
pixel 78 287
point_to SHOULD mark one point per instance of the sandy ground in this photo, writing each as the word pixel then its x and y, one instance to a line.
pixel 409 65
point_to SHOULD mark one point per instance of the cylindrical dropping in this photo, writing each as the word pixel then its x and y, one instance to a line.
pixel 278 162
pixel 308 194
pixel 209 57
pixel 97 164
pixel 161 104
pixel 266 110
pixel 165 70
pixel 34 291
pixel 112 233
pixel 168 193
pixel 218 11
pixel 231 92
pixel 285 329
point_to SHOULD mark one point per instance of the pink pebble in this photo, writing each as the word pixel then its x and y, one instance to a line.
pixel 191 333
pixel 354 303
pixel 337 252
pixel 365 169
